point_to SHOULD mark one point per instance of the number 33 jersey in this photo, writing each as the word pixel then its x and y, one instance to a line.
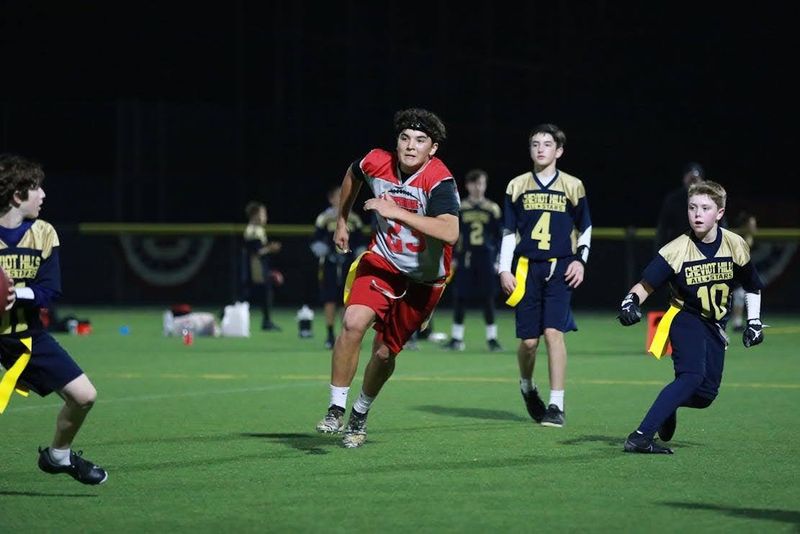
pixel 702 276
pixel 431 191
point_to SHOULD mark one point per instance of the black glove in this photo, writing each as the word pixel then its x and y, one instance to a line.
pixel 753 334
pixel 629 312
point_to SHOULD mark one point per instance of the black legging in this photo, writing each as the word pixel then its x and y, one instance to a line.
pixel 460 307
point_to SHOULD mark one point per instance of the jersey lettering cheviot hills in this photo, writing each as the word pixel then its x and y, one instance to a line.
pixel 19 266
pixel 544 201
pixel 708 272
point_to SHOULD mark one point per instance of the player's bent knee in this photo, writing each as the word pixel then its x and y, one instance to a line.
pixel 530 345
pixel 80 393
pixel 357 319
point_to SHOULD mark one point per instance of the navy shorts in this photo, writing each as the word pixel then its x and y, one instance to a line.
pixel 332 277
pixel 547 299
pixel 50 367
pixel 476 277
pixel 697 347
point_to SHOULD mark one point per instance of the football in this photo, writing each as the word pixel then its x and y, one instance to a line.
pixel 5 284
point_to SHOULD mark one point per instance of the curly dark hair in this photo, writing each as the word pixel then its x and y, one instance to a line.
pixel 422 120
pixel 17 175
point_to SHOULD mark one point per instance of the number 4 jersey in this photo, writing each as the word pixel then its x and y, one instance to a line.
pixel 702 276
pixel 545 217
pixel 431 191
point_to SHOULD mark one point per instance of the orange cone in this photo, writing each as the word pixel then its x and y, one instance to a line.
pixel 653 318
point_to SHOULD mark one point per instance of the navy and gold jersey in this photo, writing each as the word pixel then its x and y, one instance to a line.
pixel 325 227
pixel 256 264
pixel 702 276
pixel 545 218
pixel 29 254
pixel 481 229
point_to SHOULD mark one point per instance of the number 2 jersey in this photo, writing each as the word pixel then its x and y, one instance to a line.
pixel 431 191
pixel 481 230
pixel 545 217
pixel 702 276
pixel 29 254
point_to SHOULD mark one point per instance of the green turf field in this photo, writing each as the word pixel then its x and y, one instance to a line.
pixel 219 436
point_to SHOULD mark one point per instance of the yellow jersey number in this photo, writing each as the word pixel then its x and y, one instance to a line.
pixel 713 300
pixel 476 233
pixel 541 231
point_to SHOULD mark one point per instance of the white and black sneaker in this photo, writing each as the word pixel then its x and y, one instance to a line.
pixel 333 422
pixel 456 345
pixel 355 433
pixel 554 417
pixel 79 468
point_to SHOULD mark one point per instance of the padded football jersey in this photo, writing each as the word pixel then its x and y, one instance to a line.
pixel 702 276
pixel 419 257
pixel 546 217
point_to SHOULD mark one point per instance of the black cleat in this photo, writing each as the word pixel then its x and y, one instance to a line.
pixel 79 468
pixel 667 429
pixel 534 405
pixel 456 345
pixel 640 443
pixel 494 346
pixel 553 417
pixel 271 327
pixel 329 343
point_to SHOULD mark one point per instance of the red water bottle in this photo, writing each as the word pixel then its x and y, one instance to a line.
pixel 188 336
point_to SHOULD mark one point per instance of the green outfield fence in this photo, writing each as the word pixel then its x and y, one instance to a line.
pixel 152 263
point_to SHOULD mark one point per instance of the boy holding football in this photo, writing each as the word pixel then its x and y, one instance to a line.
pixel 29 251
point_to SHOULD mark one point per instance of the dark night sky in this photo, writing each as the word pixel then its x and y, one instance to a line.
pixel 156 111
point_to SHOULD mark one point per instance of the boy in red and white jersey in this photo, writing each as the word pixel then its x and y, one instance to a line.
pixel 399 280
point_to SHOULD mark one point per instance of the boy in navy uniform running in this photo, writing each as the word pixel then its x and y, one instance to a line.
pixel 475 260
pixel 701 267
pixel 333 267
pixel 544 209
pixel 29 251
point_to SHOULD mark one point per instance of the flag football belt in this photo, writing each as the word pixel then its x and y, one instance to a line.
pixel 8 384
pixel 521 275
pixel 658 347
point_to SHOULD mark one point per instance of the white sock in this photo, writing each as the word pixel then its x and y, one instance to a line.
pixel 491 331
pixel 339 396
pixel 458 332
pixel 60 456
pixel 557 398
pixel 363 402
pixel 526 385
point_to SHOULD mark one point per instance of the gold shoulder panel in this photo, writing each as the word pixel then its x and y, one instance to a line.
pixel 40 236
pixel 735 246
pixel 680 250
pixel 572 186
pixel 355 220
pixel 321 220
pixel 254 231
pixel 520 184
pixel 494 207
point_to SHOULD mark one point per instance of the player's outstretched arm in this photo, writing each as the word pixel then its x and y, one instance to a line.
pixel 349 191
